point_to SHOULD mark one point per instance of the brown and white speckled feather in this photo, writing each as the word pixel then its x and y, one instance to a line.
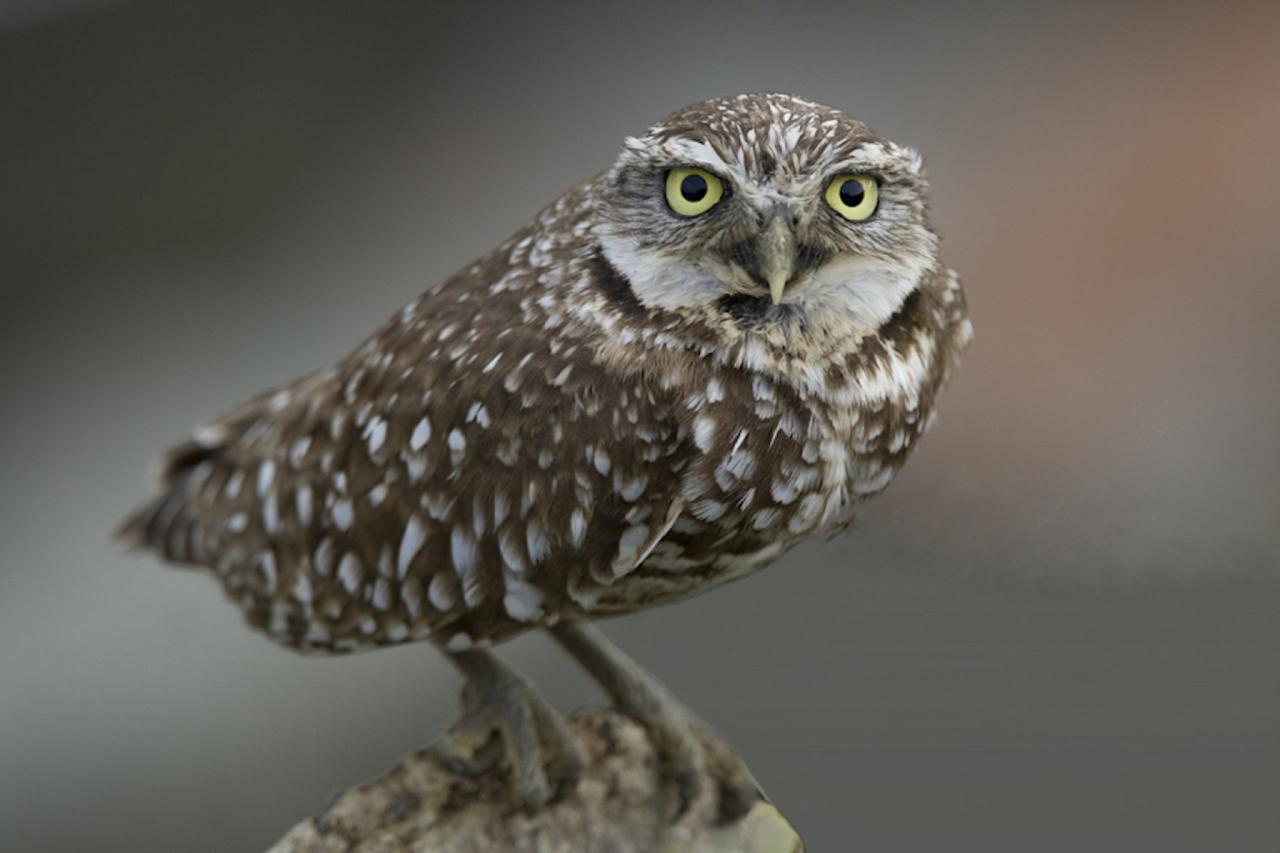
pixel 603 414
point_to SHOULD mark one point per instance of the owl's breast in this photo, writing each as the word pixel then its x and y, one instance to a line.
pixel 770 468
pixel 776 463
pixel 781 454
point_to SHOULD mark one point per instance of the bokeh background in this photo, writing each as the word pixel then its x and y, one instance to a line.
pixel 1058 631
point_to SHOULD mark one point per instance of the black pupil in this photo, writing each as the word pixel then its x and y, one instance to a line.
pixel 851 193
pixel 693 187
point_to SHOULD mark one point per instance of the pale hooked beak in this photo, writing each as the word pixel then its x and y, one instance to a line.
pixel 777 255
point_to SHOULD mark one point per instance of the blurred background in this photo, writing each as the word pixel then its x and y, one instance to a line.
pixel 1058 631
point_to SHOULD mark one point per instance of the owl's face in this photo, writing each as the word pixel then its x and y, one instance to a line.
pixel 769 211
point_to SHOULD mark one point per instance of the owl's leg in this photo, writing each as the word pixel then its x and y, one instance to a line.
pixel 690 746
pixel 534 736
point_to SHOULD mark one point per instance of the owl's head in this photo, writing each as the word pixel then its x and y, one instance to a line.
pixel 768 210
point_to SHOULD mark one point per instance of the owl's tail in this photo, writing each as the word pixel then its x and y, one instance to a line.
pixel 167 524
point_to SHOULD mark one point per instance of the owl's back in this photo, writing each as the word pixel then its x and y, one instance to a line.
pixel 461 476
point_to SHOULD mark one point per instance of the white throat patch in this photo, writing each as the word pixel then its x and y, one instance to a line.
pixel 656 281
pixel 864 292
pixel 857 292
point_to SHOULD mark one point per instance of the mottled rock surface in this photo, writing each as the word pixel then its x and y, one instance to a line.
pixel 433 801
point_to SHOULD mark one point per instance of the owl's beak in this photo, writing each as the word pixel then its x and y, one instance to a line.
pixel 777 255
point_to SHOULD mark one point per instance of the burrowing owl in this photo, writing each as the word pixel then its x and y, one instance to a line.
pixel 679 369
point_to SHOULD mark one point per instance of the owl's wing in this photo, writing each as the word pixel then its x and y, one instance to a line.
pixel 462 474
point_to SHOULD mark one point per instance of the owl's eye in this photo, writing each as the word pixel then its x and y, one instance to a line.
pixel 693 191
pixel 853 196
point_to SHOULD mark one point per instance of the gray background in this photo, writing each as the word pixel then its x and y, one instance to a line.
pixel 1057 631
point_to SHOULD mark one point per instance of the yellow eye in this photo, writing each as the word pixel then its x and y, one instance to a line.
pixel 693 191
pixel 853 196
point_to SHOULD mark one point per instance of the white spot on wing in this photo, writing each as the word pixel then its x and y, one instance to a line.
pixel 457 445
pixel 523 601
pixel 563 376
pixel 410 544
pixel 704 430
pixel 382 594
pixel 442 592
pixel 509 547
pixel 302 499
pixel 266 475
pixel 302 588
pixel 376 434
pixel 501 506
pixel 411 595
pixel 349 571
pixel 631 490
pixel 577 527
pixel 783 492
pixel 707 509
pixel 343 514
pixel 421 434
pixel 462 548
pixel 633 538
pixel 322 559
pixel 271 514
pixel 479 414
pixel 536 540
pixel 298 451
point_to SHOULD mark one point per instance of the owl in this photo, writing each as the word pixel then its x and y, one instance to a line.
pixel 722 345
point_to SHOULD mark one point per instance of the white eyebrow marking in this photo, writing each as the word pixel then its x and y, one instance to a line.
pixel 697 153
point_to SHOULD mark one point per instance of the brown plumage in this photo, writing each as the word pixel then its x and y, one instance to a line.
pixel 604 413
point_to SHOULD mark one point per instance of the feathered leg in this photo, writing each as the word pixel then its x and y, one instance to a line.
pixel 535 737
pixel 690 746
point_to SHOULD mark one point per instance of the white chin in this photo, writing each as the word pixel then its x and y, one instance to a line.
pixel 859 290
pixel 657 281
pixel 865 290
